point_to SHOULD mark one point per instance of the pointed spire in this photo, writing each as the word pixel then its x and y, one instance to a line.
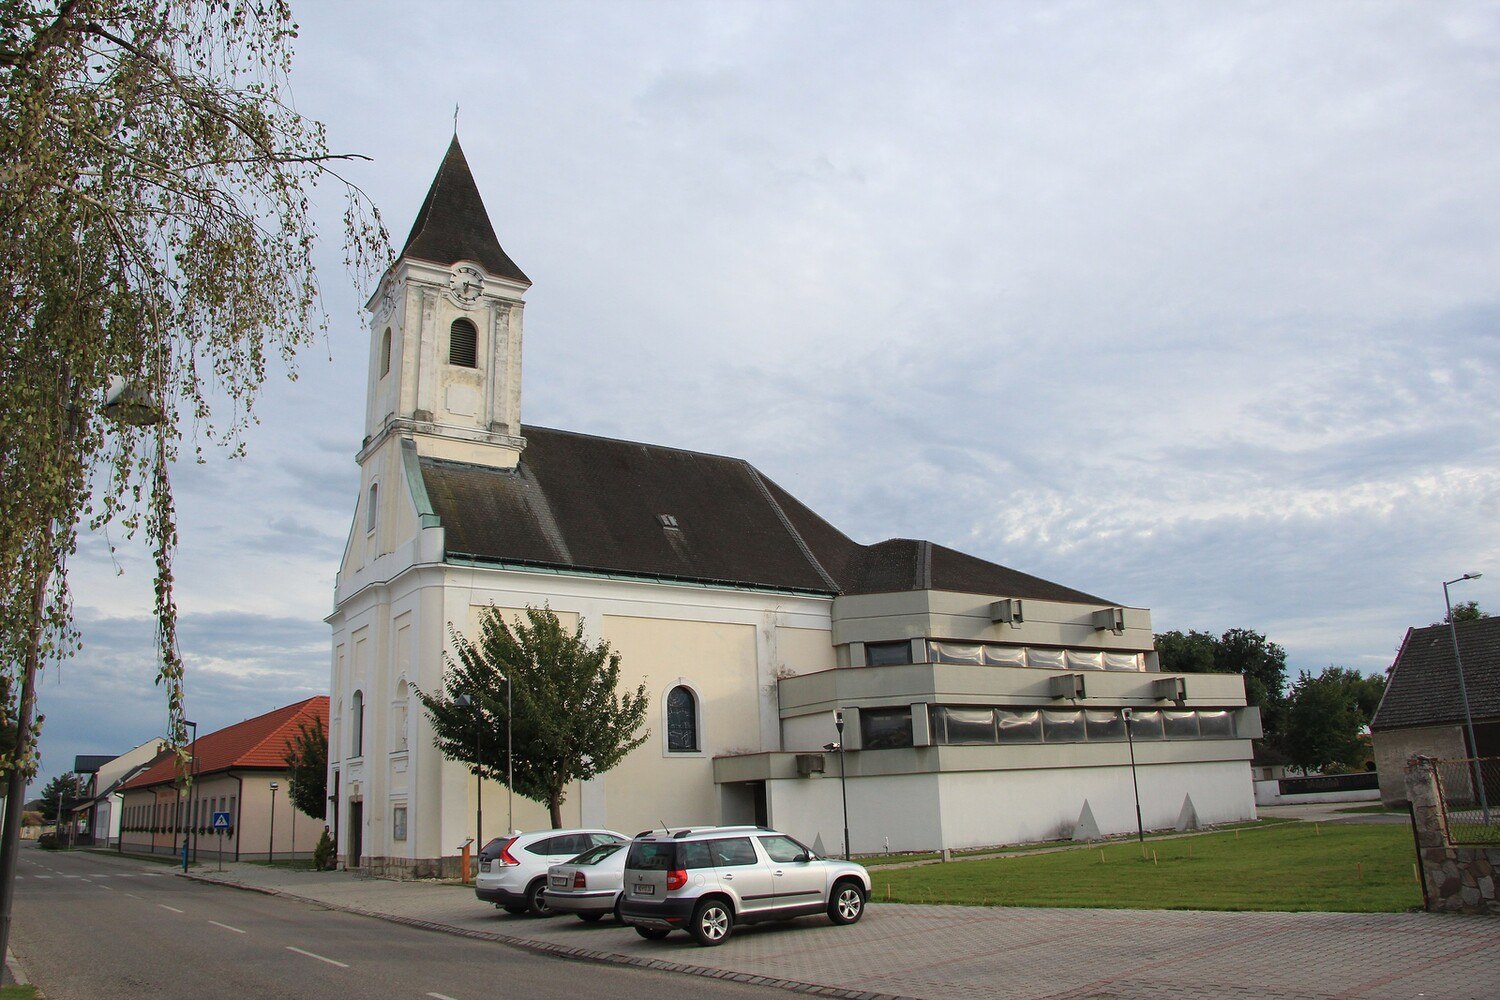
pixel 453 225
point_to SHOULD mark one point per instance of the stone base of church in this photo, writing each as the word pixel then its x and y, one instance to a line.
pixel 414 868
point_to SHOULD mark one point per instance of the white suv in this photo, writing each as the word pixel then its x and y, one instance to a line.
pixel 705 880
pixel 516 878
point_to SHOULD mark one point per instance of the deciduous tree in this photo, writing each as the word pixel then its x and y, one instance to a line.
pixel 571 721
pixel 1327 719
pixel 155 224
pixel 307 769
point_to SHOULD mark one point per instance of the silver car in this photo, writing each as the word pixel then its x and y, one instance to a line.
pixel 588 885
pixel 515 878
pixel 706 880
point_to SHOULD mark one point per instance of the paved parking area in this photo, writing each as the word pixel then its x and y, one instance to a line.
pixel 971 952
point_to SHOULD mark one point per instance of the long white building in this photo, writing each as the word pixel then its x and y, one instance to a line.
pixel 981 705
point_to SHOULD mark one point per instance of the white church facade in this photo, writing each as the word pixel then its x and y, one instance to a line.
pixel 980 705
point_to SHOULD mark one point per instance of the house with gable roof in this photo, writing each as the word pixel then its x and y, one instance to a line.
pixel 1422 710
pixel 240 769
pixel 980 704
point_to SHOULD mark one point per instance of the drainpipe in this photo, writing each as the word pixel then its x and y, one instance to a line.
pixel 239 805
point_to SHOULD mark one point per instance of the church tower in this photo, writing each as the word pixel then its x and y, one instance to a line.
pixel 445 347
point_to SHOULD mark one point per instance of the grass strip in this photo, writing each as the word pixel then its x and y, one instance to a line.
pixel 1291 866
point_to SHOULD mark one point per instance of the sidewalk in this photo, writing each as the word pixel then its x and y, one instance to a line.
pixel 972 952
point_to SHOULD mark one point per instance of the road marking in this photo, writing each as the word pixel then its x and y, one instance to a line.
pixel 226 927
pixel 320 958
pixel 132 895
pixel 106 888
pixel 150 874
pixel 440 996
pixel 72 876
pixel 164 906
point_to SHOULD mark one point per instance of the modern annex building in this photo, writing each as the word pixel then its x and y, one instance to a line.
pixel 981 705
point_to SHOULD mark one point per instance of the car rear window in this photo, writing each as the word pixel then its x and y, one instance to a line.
pixel 663 856
pixel 651 856
pixel 594 855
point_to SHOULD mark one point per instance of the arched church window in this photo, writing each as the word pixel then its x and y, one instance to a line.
pixel 682 720
pixel 372 508
pixel 385 353
pixel 357 725
pixel 463 344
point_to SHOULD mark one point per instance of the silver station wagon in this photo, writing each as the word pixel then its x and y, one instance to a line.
pixel 705 880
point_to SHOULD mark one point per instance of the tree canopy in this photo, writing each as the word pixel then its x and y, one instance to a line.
pixel 571 721
pixel 307 769
pixel 157 227
pixel 66 790
pixel 1328 718
pixel 1465 611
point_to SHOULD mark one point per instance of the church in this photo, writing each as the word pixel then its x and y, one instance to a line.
pixel 902 694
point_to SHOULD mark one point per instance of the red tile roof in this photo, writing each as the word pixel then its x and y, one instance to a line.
pixel 261 742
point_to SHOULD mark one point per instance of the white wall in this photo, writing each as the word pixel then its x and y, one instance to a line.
pixel 922 812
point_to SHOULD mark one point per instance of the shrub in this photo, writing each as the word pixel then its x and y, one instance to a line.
pixel 323 854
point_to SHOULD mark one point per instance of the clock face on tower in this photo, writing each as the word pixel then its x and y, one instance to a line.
pixel 466 283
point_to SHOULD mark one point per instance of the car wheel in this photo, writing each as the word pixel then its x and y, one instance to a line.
pixel 618 919
pixel 514 909
pixel 651 933
pixel 591 918
pixel 536 901
pixel 848 902
pixel 713 922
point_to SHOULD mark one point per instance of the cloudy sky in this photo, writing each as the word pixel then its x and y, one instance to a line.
pixel 1190 305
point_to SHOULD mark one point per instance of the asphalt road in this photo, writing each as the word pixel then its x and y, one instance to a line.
pixel 94 927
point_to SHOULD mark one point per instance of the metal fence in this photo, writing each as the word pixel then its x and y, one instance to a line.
pixel 1469 792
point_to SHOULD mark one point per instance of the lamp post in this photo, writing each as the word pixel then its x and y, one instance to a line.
pixel 472 701
pixel 1140 828
pixel 475 700
pixel 192 796
pixel 1463 691
pixel 838 724
pixel 271 840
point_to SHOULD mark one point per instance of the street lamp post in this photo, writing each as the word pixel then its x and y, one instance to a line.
pixel 271 839
pixel 1140 828
pixel 838 724
pixel 192 797
pixel 1463 691
pixel 472 701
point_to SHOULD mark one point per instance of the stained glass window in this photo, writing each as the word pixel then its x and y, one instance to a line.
pixel 682 721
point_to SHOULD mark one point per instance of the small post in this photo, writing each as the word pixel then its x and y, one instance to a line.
pixel 1359 870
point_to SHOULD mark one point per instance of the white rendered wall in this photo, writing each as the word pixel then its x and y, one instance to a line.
pixel 923 812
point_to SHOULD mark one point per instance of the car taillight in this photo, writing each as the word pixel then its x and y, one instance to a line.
pixel 505 858
pixel 676 879
pixel 579 882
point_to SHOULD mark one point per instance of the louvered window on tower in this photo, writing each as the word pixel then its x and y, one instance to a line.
pixel 463 341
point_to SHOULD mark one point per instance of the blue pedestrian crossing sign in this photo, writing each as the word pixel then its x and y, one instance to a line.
pixel 221 822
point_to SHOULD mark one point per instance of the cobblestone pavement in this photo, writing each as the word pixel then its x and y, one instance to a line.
pixel 972 952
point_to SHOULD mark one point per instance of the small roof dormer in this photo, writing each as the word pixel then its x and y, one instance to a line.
pixel 452 224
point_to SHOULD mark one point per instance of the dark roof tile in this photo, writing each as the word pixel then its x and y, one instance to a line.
pixel 452 224
pixel 595 504
pixel 1423 686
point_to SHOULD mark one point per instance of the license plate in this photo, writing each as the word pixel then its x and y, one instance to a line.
pixel 559 880
pixel 645 890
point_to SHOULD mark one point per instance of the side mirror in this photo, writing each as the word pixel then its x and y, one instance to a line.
pixel 801 859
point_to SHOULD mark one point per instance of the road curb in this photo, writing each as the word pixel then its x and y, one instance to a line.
pixel 565 951
pixel 17 970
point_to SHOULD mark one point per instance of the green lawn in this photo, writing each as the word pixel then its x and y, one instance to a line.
pixel 1295 866
pixel 18 993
